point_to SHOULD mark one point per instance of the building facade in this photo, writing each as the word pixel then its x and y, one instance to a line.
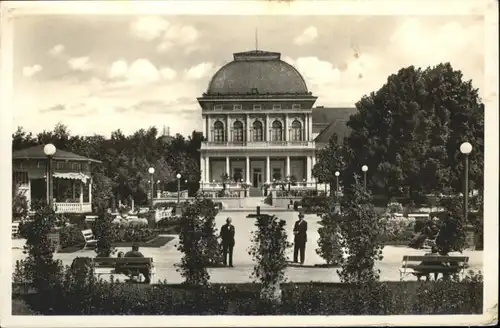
pixel 257 121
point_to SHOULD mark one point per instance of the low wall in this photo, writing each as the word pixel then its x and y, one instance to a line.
pixel 229 202
pixel 283 202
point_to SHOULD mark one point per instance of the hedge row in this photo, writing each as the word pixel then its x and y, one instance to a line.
pixel 380 298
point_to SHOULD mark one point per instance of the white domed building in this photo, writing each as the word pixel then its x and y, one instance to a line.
pixel 258 121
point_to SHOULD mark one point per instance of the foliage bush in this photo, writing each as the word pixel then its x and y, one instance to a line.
pixel 103 231
pixel 314 204
pixel 361 229
pixel 329 247
pixel 196 241
pixel 39 267
pixel 452 234
pixel 70 235
pixel 80 294
pixel 164 205
pixel 268 250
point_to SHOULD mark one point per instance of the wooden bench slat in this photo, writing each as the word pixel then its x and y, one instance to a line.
pixel 414 258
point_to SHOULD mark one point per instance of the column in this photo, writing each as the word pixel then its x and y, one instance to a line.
pixel 228 168
pixel 306 128
pixel 202 168
pixel 207 169
pixel 90 192
pixel 309 130
pixel 268 169
pixel 312 166
pixel 247 169
pixel 286 128
pixel 204 122
pixel 288 166
pixel 308 168
pixel 81 196
pixel 248 128
pixel 227 128
pixel 267 128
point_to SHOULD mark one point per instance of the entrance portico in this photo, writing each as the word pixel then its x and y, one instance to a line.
pixel 257 169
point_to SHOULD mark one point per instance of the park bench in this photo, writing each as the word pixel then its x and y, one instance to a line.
pixel 129 266
pixel 89 238
pixel 425 265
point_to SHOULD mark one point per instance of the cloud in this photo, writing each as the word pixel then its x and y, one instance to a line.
pixel 141 71
pixel 149 28
pixel 56 50
pixel 199 71
pixel 55 108
pixel 314 70
pixel 80 64
pixel 179 35
pixel 30 71
pixel 307 36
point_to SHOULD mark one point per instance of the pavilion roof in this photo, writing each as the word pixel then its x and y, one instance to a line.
pixel 37 152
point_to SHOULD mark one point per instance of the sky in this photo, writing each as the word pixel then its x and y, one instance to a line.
pixel 100 73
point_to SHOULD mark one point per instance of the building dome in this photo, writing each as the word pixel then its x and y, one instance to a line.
pixel 257 72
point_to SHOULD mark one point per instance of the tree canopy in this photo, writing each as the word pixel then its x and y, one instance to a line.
pixel 126 159
pixel 409 133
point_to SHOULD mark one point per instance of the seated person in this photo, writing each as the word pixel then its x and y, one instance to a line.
pixel 135 253
pixel 427 272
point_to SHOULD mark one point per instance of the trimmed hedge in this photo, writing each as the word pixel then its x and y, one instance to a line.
pixel 380 298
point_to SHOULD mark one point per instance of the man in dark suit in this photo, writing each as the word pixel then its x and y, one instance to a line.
pixel 227 236
pixel 135 253
pixel 300 232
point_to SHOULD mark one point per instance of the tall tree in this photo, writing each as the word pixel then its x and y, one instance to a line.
pixel 408 133
pixel 330 159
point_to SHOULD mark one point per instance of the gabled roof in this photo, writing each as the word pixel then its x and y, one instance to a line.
pixel 36 152
pixel 330 120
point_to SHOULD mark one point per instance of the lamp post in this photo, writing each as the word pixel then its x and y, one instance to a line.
pixel 178 176
pixel 337 174
pixel 49 150
pixel 466 148
pixel 364 168
pixel 151 171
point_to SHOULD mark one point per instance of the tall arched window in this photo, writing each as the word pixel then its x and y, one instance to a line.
pixel 257 131
pixel 218 131
pixel 238 131
pixel 296 131
pixel 277 131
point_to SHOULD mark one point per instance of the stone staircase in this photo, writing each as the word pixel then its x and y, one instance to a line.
pixel 249 204
pixel 254 192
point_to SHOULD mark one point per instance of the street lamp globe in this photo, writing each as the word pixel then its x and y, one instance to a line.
pixel 178 175
pixel 158 182
pixel 465 148
pixel 364 168
pixel 337 173
pixel 49 149
pixel 151 170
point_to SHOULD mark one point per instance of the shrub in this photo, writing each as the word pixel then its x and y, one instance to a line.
pixel 84 296
pixel 329 247
pixel 39 267
pixel 70 235
pixel 452 234
pixel 268 249
pixel 103 231
pixel 164 205
pixel 192 243
pixel 361 229
pixel 314 204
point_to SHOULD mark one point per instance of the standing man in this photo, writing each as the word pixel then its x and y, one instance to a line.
pixel 227 236
pixel 300 232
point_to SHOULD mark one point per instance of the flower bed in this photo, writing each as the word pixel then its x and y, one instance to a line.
pixel 380 298
pixel 71 236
